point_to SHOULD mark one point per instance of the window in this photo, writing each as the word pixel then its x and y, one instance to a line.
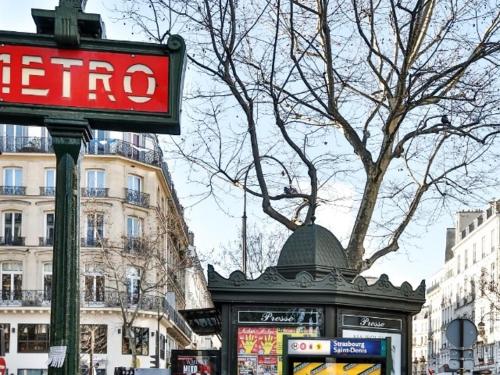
pixel 94 284
pixel 48 240
pixel 483 240
pixel 32 372
pixel 492 240
pixel 12 281
pixel 162 346
pixel 133 284
pixel 458 264
pixel 13 181
pixel 33 338
pixel 96 183
pixel 474 254
pixel 134 233
pixel 14 137
pixel 94 338
pixel 141 341
pixel 465 259
pixel 12 228
pixel 5 327
pixel 95 229
pixel 50 182
pixel 47 281
pixel 134 182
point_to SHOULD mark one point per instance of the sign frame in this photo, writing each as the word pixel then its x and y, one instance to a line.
pixel 119 120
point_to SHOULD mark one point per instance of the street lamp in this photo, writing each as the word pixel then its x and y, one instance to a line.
pixel 288 190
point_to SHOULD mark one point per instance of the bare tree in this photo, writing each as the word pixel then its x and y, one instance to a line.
pixel 137 269
pixel 93 339
pixel 398 98
pixel 263 249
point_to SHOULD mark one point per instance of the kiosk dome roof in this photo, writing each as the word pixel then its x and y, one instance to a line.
pixel 311 248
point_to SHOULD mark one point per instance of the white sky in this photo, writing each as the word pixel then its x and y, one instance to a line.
pixel 212 227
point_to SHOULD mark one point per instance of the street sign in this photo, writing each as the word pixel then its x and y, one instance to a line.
pixel 117 85
pixel 461 333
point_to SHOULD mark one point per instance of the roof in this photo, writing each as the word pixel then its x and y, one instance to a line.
pixel 314 249
pixel 203 321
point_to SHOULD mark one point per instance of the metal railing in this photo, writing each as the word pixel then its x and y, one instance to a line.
pixel 136 197
pixel 45 241
pixel 12 241
pixel 110 299
pixel 48 191
pixel 95 192
pixel 26 144
pixel 12 190
pixel 135 245
pixel 92 242
pixel 126 149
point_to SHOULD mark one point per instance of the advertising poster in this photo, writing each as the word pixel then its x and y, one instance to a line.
pixel 267 365
pixel 247 365
pixel 308 368
pixel 395 342
pixel 257 340
pixel 195 365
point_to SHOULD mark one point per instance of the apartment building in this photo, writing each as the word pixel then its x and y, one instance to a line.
pixel 466 287
pixel 134 251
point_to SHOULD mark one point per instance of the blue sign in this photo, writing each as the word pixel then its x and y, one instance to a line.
pixel 357 347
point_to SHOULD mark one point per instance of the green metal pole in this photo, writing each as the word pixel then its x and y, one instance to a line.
pixel 65 305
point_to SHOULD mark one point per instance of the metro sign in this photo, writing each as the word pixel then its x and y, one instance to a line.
pixel 112 84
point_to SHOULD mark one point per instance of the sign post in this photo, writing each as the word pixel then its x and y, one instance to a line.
pixel 70 80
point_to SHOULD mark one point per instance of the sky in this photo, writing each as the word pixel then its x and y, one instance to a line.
pixel 214 228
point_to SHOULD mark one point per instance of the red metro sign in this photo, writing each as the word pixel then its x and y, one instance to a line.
pixel 112 84
pixel 84 79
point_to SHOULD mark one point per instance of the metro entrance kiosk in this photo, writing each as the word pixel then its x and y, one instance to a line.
pixel 336 356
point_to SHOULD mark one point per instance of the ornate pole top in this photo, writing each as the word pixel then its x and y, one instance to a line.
pixel 68 22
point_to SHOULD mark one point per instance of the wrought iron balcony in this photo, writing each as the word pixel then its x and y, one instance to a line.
pixel 45 241
pixel 48 191
pixel 110 298
pixel 136 197
pixel 95 192
pixel 135 245
pixel 126 149
pixel 12 190
pixel 25 298
pixel 12 241
pixel 26 144
pixel 92 242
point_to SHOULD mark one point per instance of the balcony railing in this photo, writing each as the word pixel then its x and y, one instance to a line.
pixel 95 147
pixel 25 144
pixel 92 242
pixel 111 299
pixel 12 241
pixel 95 192
pixel 126 149
pixel 12 190
pixel 136 197
pixel 48 191
pixel 135 245
pixel 45 241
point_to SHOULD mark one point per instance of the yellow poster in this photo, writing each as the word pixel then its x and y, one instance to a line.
pixel 309 368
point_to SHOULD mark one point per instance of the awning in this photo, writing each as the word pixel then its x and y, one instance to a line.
pixel 203 322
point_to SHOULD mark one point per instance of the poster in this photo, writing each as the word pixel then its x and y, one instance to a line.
pixel 395 342
pixel 267 365
pixel 195 365
pixel 307 368
pixel 259 348
pixel 247 365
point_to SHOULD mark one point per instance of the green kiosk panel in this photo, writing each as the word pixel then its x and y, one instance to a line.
pixel 336 356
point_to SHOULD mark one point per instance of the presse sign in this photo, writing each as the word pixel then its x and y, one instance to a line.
pixel 112 84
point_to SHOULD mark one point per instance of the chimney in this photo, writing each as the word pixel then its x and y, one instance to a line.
pixel 450 242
